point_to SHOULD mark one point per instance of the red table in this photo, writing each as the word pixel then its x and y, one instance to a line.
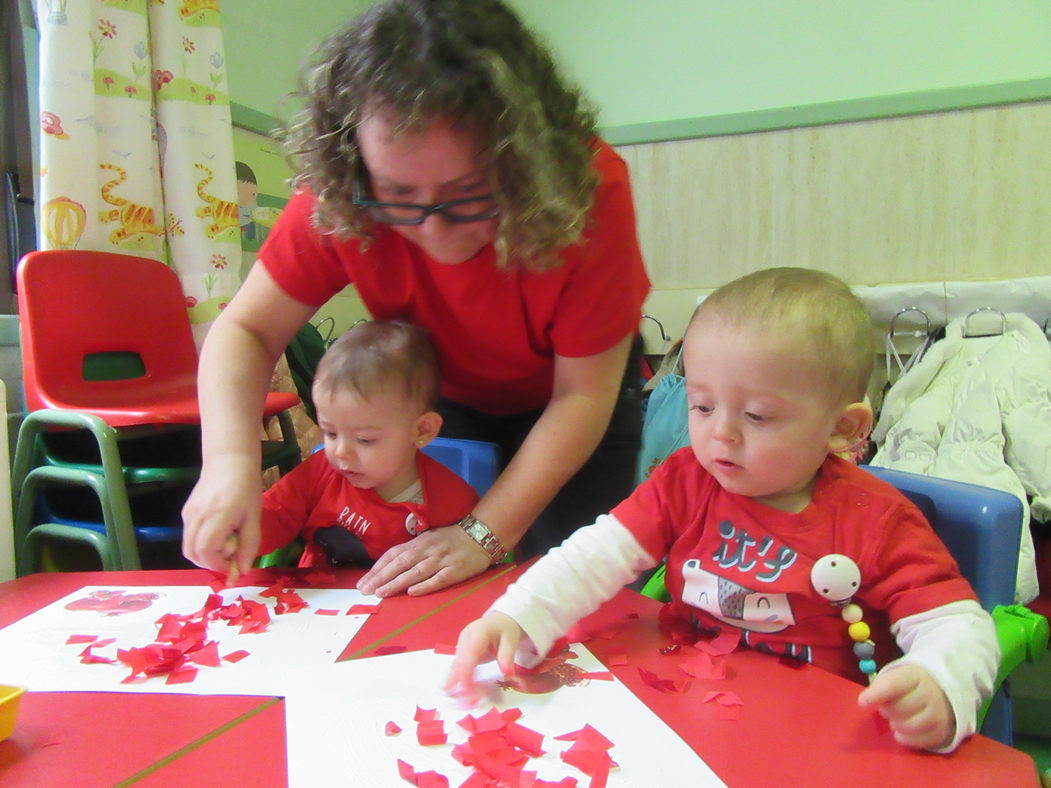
pixel 798 726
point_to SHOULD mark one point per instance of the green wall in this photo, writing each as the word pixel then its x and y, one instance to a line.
pixel 661 69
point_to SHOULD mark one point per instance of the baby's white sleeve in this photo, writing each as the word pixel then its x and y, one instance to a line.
pixel 956 643
pixel 572 580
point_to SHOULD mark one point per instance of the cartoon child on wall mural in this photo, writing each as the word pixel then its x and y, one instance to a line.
pixel 247 199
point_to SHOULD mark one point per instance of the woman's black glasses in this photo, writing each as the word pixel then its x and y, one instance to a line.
pixel 472 209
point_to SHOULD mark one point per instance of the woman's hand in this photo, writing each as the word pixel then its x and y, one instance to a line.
pixel 494 635
pixel 433 560
pixel 221 516
pixel 914 705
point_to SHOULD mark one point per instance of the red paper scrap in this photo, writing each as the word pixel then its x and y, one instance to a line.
pixel 444 648
pixel 881 723
pixel 704 666
pixel 406 771
pixel 723 643
pixel 391 728
pixel 325 611
pixel 360 609
pixel 478 780
pixel 615 660
pixel 425 715
pixel 207 655
pixel 235 656
pixel 526 739
pixel 431 780
pixel 181 676
pixel 103 643
pixel 431 732
pixel 383 650
pixel 655 681
pixel 592 739
pixel 81 639
pixel 723 698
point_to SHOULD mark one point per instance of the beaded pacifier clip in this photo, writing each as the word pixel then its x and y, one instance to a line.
pixel 836 578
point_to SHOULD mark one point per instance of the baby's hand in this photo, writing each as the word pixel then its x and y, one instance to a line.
pixel 495 634
pixel 914 705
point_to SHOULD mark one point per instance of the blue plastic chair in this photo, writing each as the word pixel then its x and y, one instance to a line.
pixel 982 529
pixel 476 462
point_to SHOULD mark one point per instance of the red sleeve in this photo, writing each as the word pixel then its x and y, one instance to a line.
pixel 303 262
pixel 288 503
pixel 447 497
pixel 602 299
pixel 910 570
pixel 655 512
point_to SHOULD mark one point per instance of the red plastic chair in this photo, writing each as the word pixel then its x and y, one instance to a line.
pixel 107 347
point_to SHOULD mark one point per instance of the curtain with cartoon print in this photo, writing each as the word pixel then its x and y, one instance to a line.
pixel 136 146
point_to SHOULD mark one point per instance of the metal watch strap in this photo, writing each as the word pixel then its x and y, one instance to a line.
pixel 485 538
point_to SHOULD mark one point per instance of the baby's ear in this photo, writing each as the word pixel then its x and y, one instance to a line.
pixel 427 427
pixel 853 423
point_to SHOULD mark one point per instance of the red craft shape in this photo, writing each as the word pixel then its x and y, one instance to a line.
pixel 653 680
pixel 391 728
pixel 425 715
pixel 181 676
pixel 81 639
pixel 599 675
pixel 616 660
pixel 235 656
pixel 431 732
pixel 324 611
pixel 363 610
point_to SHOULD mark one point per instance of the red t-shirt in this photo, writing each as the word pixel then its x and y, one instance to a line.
pixel 496 331
pixel 732 560
pixel 313 495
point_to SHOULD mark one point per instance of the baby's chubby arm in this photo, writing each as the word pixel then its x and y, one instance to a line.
pixel 931 696
pixel 571 581
pixel 918 711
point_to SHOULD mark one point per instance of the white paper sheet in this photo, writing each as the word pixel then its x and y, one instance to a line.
pixel 335 718
pixel 35 654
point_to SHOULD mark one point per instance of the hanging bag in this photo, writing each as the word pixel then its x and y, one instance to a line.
pixel 664 426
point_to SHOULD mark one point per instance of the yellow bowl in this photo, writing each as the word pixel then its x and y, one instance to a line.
pixel 9 698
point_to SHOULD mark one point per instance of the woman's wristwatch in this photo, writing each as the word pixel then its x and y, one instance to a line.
pixel 485 538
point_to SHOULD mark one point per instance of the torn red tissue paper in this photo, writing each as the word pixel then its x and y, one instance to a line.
pixel 406 772
pixel 235 656
pixel 359 609
pixel 81 639
pixel 655 681
pixel 391 728
pixel 324 611
pixel 722 644
pixel 425 715
pixel 207 655
pixel 729 704
pixel 589 754
pixel 615 660
pixel 703 666
pixel 430 732
pixel 181 676
pixel 431 780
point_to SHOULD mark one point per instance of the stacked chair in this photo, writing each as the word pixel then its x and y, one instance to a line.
pixel 111 444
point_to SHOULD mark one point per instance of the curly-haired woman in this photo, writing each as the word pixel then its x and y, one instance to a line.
pixel 449 173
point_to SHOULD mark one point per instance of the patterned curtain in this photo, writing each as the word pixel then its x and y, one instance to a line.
pixel 136 144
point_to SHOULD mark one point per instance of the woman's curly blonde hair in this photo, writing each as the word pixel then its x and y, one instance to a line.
pixel 474 63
